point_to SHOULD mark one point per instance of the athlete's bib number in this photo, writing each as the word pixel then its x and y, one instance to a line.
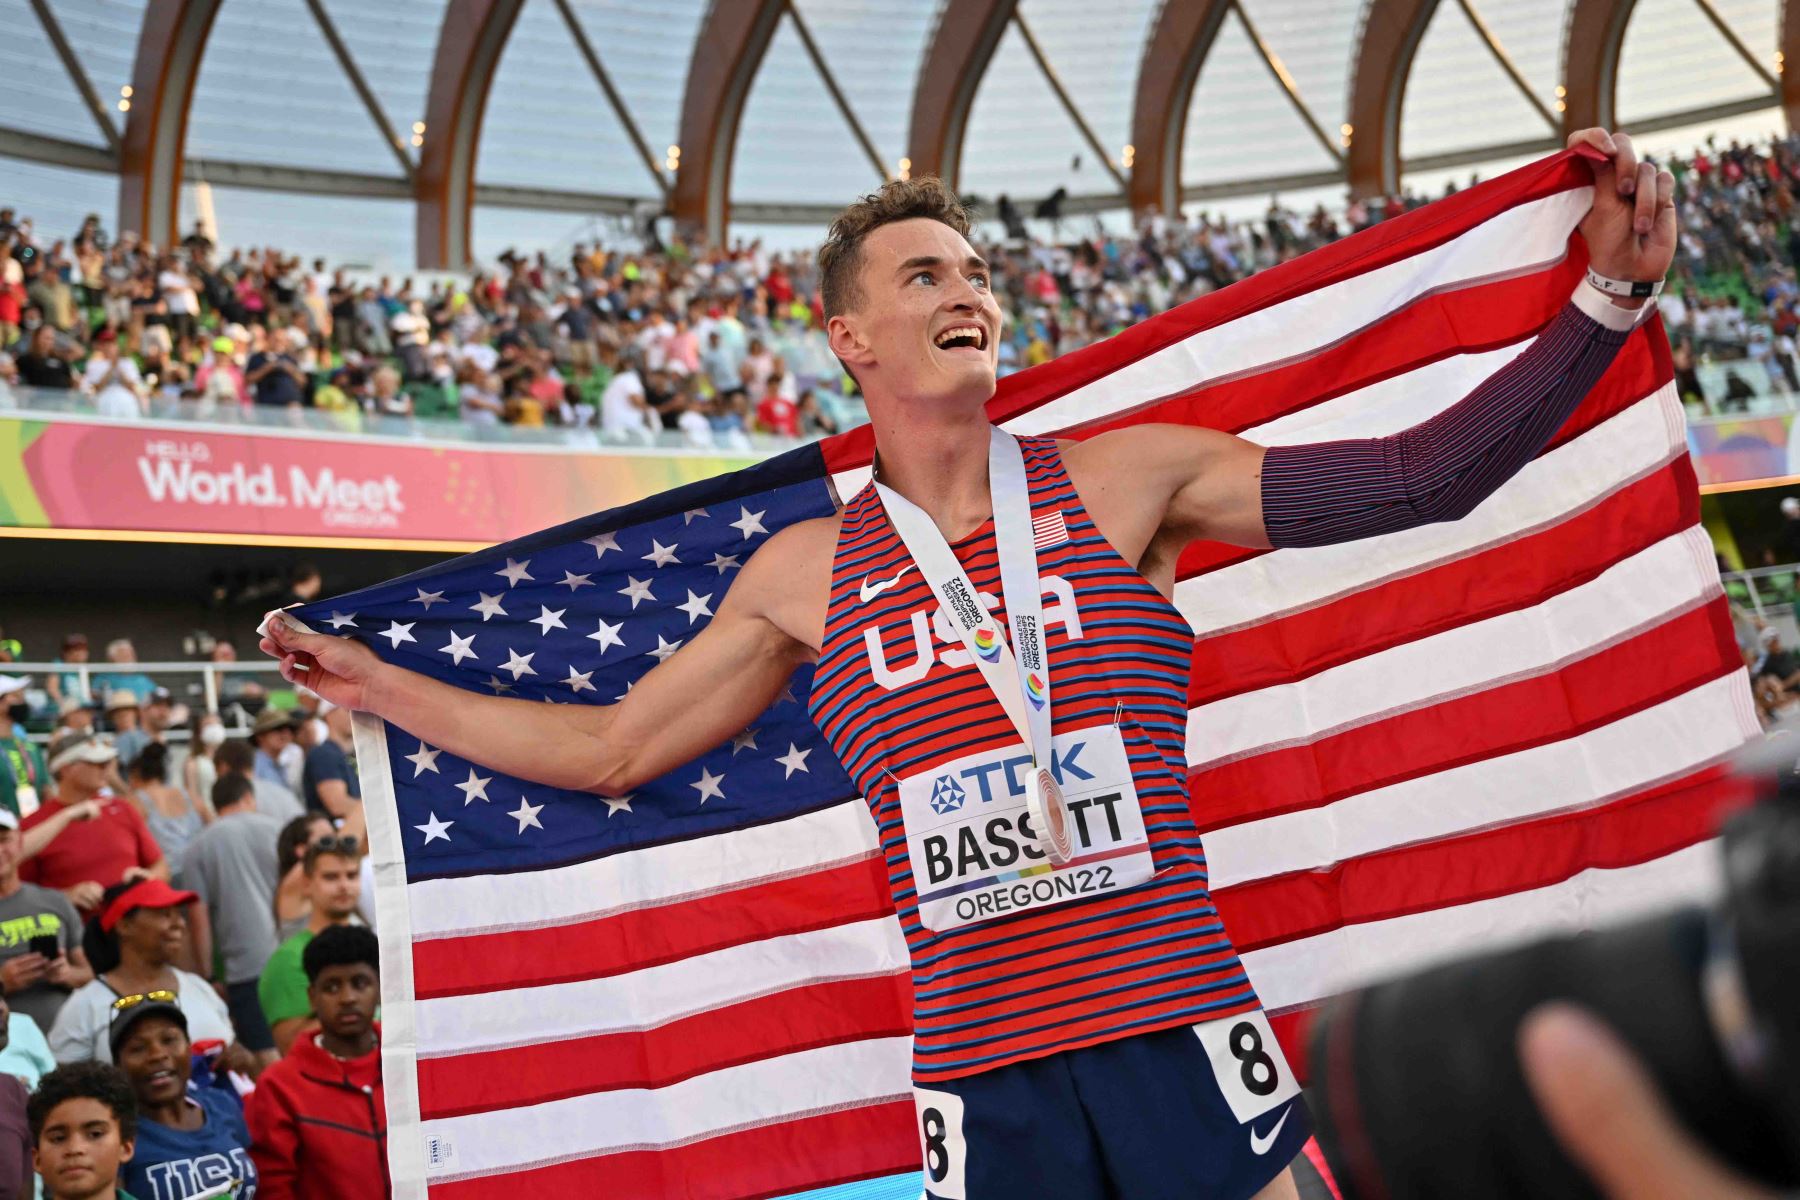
pixel 973 849
pixel 1247 1062
pixel 941 1143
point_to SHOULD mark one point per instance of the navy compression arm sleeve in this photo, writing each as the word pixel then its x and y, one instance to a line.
pixel 1440 469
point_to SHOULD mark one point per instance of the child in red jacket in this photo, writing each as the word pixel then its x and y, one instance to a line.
pixel 318 1130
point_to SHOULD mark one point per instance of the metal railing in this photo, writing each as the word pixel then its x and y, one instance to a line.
pixel 1767 591
pixel 207 691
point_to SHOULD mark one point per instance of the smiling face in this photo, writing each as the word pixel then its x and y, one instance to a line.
pixel 925 329
pixel 154 1056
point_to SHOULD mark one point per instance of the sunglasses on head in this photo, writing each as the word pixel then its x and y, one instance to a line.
pixel 346 844
pixel 160 995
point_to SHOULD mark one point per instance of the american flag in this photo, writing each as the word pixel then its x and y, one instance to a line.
pixel 1401 750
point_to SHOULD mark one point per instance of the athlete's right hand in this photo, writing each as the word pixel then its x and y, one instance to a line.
pixel 336 668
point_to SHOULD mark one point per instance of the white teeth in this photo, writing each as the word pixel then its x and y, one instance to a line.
pixel 973 331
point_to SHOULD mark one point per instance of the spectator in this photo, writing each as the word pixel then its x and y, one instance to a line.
pixel 126 719
pixel 24 777
pixel 24 1054
pixel 331 866
pixel 69 685
pixel 775 413
pixel 625 413
pixel 293 908
pixel 75 717
pixel 275 377
pixel 159 714
pixel 43 364
pixel 199 773
pixel 178 294
pixel 121 652
pixel 112 379
pixel 132 945
pixel 221 381
pixel 234 688
pixel 237 757
pixel 83 1125
pixel 191 1140
pixel 318 1118
pixel 329 779
pixel 34 920
pixel 814 420
pixel 231 865
pixel 273 737
pixel 389 400
pixel 169 812
pixel 111 844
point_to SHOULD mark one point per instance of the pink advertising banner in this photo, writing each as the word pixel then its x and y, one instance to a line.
pixel 74 475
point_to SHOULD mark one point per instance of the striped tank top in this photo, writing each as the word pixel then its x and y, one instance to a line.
pixel 896 694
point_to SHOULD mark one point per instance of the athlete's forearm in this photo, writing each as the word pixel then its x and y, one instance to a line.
pixel 1439 470
pixel 562 745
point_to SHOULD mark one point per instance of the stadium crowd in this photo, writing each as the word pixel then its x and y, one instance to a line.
pixel 188 974
pixel 709 347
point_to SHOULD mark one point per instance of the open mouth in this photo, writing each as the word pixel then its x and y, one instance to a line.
pixel 962 337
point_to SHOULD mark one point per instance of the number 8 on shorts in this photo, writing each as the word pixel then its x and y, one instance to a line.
pixel 1247 1063
pixel 941 1145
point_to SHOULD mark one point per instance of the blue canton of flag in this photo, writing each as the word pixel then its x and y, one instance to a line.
pixel 577 615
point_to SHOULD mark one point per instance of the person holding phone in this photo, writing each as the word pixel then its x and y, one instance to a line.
pixel 41 960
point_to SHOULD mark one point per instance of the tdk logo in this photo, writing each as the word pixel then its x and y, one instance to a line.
pixel 947 795
pixel 1007 778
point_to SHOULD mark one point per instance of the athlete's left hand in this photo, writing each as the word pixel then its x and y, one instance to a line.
pixel 1630 229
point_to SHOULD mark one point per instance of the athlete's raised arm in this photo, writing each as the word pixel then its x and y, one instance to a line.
pixel 769 623
pixel 1215 486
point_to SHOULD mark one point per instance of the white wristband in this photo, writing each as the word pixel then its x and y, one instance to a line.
pixel 1630 288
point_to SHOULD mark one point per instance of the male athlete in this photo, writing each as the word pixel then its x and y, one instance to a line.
pixel 1083 1027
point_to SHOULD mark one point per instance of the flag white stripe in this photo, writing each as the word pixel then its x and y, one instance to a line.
pixel 1306 969
pixel 652 876
pixel 1573 476
pixel 1533 233
pixel 1659 743
pixel 655 995
pixel 757 1093
pixel 1657 583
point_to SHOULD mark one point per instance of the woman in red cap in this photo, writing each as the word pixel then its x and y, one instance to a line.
pixel 132 943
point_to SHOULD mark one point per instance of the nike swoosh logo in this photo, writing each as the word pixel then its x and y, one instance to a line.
pixel 1260 1144
pixel 869 591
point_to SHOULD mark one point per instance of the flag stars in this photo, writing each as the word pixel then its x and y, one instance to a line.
pixel 697 607
pixel 474 787
pixel 749 523
pixel 744 741
pixel 607 635
pixel 637 589
pixel 338 620
pixel 397 633
pixel 724 562
pixel 664 648
pixel 434 829
pixel 708 787
pixel 427 599
pixel 547 620
pixel 527 815
pixel 687 518
pixel 459 648
pixel 602 542
pixel 515 572
pixel 500 686
pixel 488 606
pixel 424 759
pixel 662 555
pixel 574 582
pixel 794 760
pixel 617 804
pixel 518 664
pixel 578 681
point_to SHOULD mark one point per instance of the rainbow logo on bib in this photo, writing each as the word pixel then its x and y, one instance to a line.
pixel 987 644
pixel 1034 688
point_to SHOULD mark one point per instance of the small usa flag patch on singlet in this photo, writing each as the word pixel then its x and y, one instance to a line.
pixel 1049 529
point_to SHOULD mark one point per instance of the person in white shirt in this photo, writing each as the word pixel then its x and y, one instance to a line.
pixel 113 380
pixel 624 412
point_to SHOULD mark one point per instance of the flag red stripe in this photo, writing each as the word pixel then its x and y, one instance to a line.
pixel 1663 661
pixel 1377 246
pixel 1643 365
pixel 620 943
pixel 1509 576
pixel 1481 865
pixel 802 1018
pixel 751 1164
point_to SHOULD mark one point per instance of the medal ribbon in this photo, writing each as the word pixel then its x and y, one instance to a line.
pixel 1019 676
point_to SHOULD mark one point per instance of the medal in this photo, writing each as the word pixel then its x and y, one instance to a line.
pixel 1050 816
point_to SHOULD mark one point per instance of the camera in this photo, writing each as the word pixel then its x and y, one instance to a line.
pixel 1417 1090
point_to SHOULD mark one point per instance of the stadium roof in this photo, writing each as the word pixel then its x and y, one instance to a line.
pixel 448 126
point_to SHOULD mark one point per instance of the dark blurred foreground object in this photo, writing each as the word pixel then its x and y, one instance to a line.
pixel 1417 1089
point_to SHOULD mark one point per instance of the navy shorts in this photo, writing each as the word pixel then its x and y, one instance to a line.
pixel 1200 1112
pixel 247 1016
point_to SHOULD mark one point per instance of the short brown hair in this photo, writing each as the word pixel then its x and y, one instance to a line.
pixel 840 258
